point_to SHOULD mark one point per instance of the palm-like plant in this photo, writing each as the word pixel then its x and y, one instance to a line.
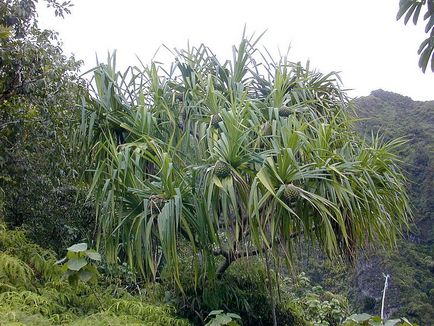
pixel 238 158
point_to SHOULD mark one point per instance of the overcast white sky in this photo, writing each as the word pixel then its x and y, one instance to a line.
pixel 359 38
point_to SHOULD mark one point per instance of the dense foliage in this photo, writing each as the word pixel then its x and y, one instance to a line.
pixel 204 175
pixel 394 116
pixel 32 292
pixel 35 291
pixel 38 88
pixel 412 265
pixel 244 290
pixel 240 159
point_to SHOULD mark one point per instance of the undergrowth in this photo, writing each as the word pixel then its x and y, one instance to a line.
pixel 33 293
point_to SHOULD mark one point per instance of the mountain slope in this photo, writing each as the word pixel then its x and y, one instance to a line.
pixel 411 264
pixel 394 116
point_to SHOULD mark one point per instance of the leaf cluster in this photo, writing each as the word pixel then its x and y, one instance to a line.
pixel 78 264
pixel 162 168
pixel 412 9
pixel 368 320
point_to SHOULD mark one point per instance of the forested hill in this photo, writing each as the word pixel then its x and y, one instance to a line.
pixel 395 115
pixel 411 265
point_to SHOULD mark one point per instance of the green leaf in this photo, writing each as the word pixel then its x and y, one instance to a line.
pixel 223 319
pixel 85 275
pixel 76 264
pixel 406 322
pixel 219 320
pixel 233 316
pixel 92 254
pixel 215 312
pixel 376 321
pixel 404 5
pixel 360 317
pixel 410 13
pixel 416 14
pixel 79 247
pixel 5 32
pixel 73 279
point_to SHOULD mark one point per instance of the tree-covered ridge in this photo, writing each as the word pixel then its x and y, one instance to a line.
pixel 411 264
pixel 394 116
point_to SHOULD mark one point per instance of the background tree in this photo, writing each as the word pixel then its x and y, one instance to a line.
pixel 39 85
pixel 250 157
pixel 412 9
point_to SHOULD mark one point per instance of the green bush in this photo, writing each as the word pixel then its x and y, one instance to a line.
pixel 244 290
pixel 38 169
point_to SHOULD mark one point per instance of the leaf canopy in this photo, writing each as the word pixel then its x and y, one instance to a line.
pixel 162 167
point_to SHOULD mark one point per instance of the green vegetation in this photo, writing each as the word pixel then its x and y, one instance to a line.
pixel 197 183
pixel 368 320
pixel 32 292
pixel 412 9
pixel 38 88
pixel 411 263
pixel 394 116
pixel 160 170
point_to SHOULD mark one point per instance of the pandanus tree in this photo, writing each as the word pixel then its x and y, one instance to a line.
pixel 248 157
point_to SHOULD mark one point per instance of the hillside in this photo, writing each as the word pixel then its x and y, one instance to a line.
pixel 394 116
pixel 411 265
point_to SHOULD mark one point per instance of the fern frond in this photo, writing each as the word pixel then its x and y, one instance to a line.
pixel 28 302
pixel 4 287
pixel 40 260
pixel 11 238
pixel 106 318
pixel 18 318
pixel 153 314
pixel 14 271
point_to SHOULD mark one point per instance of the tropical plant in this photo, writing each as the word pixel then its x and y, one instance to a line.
pixel 368 320
pixel 248 157
pixel 413 8
pixel 219 318
pixel 78 264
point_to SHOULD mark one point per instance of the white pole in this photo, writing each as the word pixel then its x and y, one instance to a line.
pixel 386 283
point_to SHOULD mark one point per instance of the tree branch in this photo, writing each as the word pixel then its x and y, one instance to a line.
pixel 231 255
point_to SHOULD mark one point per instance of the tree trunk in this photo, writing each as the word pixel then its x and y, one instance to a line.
pixel 270 287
